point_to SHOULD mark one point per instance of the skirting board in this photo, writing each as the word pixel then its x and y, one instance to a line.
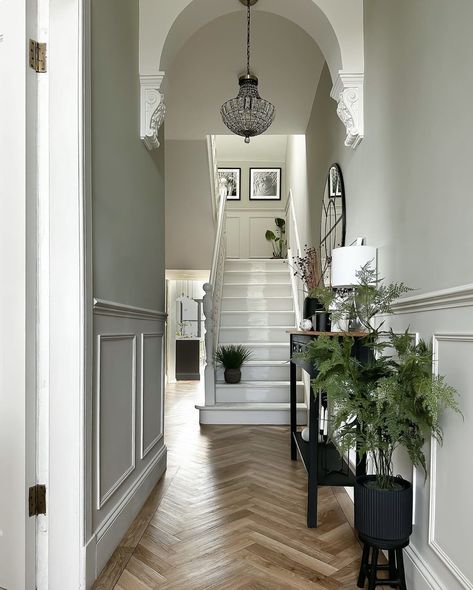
pixel 418 573
pixel 105 540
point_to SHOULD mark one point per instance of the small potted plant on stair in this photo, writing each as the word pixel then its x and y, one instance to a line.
pixel 393 400
pixel 232 357
pixel 278 242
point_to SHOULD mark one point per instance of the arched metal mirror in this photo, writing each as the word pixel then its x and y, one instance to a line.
pixel 333 219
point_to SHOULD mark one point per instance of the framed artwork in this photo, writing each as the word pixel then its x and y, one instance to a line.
pixel 229 180
pixel 335 178
pixel 265 184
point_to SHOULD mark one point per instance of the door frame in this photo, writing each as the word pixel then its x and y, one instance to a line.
pixel 69 293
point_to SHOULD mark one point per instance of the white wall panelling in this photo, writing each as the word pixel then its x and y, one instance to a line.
pixel 246 230
pixel 233 237
pixel 151 389
pixel 128 451
pixel 452 357
pixel 438 557
pixel 115 412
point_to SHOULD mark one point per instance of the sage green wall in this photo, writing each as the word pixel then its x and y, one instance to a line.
pixel 408 192
pixel 190 228
pixel 407 183
pixel 127 180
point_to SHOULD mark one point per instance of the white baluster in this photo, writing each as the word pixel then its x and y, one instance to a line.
pixel 209 372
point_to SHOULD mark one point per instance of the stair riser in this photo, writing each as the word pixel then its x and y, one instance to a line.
pixel 262 373
pixel 230 278
pixel 258 334
pixel 254 265
pixel 256 304
pixel 269 353
pixel 257 319
pixel 257 291
pixel 268 394
pixel 279 417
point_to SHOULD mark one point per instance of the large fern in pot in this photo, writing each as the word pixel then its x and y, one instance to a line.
pixel 389 401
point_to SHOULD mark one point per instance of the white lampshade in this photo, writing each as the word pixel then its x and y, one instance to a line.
pixel 347 261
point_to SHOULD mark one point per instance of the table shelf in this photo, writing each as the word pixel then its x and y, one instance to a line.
pixel 322 460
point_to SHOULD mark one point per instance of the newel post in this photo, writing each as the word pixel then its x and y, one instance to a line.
pixel 209 346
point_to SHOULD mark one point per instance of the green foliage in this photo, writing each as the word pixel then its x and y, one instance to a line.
pixel 392 400
pixel 232 356
pixel 278 241
pixel 368 300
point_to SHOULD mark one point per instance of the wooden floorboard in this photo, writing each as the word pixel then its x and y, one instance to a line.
pixel 231 514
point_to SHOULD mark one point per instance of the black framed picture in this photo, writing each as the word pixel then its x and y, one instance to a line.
pixel 229 180
pixel 335 181
pixel 265 184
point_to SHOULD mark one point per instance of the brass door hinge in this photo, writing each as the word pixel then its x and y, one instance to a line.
pixel 38 56
pixel 37 500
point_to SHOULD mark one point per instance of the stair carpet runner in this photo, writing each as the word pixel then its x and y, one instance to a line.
pixel 256 311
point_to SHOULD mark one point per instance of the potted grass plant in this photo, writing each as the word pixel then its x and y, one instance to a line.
pixel 307 267
pixel 390 401
pixel 232 357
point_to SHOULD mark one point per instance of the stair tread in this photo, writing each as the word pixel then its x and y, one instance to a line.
pixel 249 271
pixel 253 406
pixel 259 284
pixel 286 327
pixel 256 384
pixel 250 344
pixel 258 298
pixel 257 311
pixel 267 363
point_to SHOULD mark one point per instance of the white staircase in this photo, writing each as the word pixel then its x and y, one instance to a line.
pixel 256 310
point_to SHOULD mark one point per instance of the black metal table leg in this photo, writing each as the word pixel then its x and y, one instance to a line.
pixel 313 467
pixel 293 404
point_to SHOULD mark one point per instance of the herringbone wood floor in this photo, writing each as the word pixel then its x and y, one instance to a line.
pixel 232 515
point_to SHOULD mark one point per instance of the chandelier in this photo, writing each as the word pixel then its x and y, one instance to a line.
pixel 248 114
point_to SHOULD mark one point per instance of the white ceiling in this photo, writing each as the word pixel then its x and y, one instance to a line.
pixel 264 148
pixel 205 74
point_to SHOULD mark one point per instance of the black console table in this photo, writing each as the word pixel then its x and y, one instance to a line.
pixel 321 459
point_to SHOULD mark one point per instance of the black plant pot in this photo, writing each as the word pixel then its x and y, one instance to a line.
pixel 232 375
pixel 321 321
pixel 311 305
pixel 383 515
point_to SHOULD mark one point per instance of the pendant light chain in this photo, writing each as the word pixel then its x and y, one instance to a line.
pixel 248 114
pixel 248 18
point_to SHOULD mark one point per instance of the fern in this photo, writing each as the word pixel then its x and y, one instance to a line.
pixel 395 398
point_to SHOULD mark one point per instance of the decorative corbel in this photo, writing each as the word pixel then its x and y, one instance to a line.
pixel 153 109
pixel 348 92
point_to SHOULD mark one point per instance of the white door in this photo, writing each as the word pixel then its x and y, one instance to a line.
pixel 18 199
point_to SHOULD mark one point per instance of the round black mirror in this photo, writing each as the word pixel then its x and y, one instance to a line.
pixel 333 219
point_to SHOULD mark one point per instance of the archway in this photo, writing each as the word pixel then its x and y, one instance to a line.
pixel 336 28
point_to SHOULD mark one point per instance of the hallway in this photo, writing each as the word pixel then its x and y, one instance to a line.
pixel 231 515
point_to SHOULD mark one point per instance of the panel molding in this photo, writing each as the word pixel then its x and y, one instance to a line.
pixel 433 542
pixel 461 296
pixel 102 499
pixel 234 212
pixel 112 308
pixel 422 567
pixel 144 451
pixel 251 235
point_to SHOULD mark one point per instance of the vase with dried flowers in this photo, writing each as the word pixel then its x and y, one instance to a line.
pixel 307 267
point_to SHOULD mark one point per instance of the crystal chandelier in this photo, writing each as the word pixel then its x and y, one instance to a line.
pixel 248 114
